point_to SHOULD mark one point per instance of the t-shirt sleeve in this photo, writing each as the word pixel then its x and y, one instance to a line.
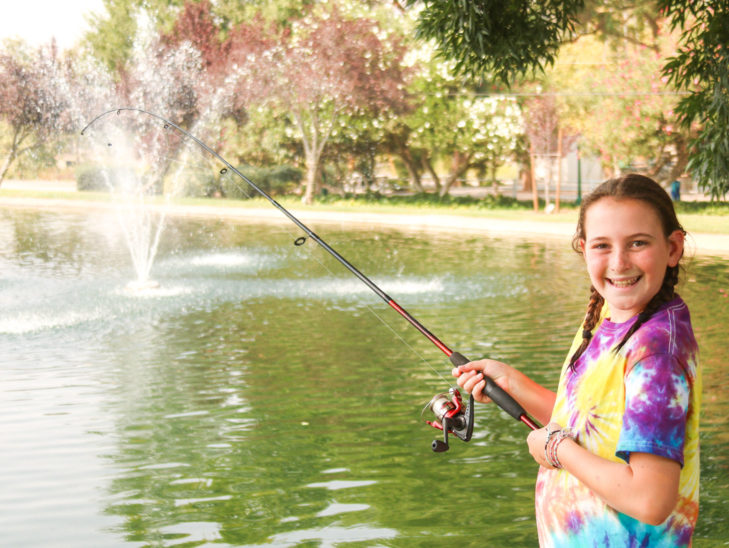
pixel 656 406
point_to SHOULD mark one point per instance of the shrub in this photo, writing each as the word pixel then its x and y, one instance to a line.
pixel 274 180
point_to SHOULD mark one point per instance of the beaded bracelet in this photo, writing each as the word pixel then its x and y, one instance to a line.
pixel 554 439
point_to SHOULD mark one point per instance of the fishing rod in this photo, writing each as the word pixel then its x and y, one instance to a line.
pixel 451 416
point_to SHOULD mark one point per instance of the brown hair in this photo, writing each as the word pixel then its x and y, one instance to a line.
pixel 633 187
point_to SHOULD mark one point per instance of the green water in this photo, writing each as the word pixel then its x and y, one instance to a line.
pixel 264 397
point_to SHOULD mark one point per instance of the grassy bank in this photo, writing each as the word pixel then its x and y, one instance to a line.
pixel 697 217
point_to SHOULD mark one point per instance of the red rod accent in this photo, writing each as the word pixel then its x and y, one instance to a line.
pixel 529 422
pixel 415 323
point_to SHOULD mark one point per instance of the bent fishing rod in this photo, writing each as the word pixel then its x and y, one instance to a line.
pixel 451 416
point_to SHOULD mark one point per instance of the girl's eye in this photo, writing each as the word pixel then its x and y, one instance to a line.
pixel 639 243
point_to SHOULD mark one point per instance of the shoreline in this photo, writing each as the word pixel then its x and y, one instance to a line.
pixel 698 244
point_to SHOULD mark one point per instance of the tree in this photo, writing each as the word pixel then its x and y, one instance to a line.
pixel 113 33
pixel 496 38
pixel 454 125
pixel 619 104
pixel 115 28
pixel 700 67
pixel 533 32
pixel 34 102
pixel 326 66
pixel 215 79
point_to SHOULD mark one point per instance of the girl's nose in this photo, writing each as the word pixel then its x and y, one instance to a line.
pixel 619 260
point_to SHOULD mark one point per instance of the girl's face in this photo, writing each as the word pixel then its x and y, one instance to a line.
pixel 627 253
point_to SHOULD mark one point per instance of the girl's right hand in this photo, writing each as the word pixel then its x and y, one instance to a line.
pixel 470 377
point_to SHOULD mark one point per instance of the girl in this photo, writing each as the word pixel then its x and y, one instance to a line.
pixel 620 455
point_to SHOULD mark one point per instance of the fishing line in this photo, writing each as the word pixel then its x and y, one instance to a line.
pixel 308 253
pixel 386 324
pixel 451 414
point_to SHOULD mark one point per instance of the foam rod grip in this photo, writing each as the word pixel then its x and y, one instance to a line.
pixel 497 394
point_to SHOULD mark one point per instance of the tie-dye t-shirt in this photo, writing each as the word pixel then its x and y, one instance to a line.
pixel 644 399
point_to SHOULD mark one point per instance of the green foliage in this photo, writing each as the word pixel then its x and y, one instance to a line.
pixel 618 22
pixel 280 11
pixel 264 139
pixel 274 180
pixel 618 104
pixel 114 29
pixel 502 38
pixel 113 33
pixel 701 66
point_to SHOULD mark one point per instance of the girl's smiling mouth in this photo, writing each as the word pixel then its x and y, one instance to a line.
pixel 623 282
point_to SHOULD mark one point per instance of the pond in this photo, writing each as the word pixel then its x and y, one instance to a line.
pixel 262 396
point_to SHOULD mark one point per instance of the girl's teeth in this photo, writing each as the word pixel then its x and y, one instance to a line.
pixel 624 283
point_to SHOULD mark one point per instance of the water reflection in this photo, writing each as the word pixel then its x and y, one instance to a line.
pixel 262 397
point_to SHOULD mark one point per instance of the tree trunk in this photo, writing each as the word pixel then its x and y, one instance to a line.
pixel 460 163
pixel 314 143
pixel 525 176
pixel 310 180
pixel 413 172
pixel 494 183
pixel 682 158
pixel 429 168
pixel 533 176
pixel 12 154
pixel 6 165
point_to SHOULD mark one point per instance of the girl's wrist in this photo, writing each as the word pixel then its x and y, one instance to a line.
pixel 555 438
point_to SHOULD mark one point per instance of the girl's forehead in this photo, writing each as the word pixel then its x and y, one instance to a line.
pixel 616 216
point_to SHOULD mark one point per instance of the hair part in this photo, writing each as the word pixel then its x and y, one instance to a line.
pixel 646 190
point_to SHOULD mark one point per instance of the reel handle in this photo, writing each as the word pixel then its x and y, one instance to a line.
pixel 439 446
pixel 497 394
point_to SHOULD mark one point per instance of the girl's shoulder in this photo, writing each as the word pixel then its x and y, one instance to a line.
pixel 668 332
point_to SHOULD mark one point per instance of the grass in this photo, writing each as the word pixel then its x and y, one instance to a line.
pixel 697 217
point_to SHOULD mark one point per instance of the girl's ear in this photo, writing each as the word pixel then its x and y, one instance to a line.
pixel 582 246
pixel 675 247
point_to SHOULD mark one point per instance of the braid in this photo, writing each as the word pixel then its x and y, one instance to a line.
pixel 594 307
pixel 664 295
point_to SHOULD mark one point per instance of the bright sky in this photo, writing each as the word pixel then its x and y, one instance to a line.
pixel 36 21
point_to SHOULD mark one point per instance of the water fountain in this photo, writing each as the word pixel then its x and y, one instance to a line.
pixel 143 165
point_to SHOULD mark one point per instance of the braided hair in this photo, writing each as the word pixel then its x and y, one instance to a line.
pixel 634 187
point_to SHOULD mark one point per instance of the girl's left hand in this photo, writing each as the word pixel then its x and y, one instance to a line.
pixel 537 439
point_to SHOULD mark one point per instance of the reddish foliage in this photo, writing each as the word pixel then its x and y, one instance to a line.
pixel 28 94
pixel 344 61
pixel 33 101
pixel 196 26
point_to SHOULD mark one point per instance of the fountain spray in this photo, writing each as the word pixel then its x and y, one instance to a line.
pixel 451 416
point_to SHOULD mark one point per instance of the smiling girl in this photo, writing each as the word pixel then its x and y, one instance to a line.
pixel 620 455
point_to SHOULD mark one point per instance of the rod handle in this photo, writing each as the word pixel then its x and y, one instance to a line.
pixel 497 394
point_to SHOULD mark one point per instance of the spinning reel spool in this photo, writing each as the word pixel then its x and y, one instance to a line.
pixel 451 417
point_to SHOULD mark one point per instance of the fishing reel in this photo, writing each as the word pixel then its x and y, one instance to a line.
pixel 451 417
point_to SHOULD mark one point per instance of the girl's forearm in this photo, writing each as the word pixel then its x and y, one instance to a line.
pixel 536 400
pixel 645 489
